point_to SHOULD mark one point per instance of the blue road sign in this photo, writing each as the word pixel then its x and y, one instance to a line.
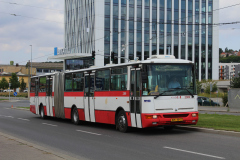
pixel 15 94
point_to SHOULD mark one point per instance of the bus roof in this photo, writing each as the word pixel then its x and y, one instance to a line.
pixel 155 60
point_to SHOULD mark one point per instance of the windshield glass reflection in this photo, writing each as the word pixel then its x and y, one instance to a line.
pixel 169 80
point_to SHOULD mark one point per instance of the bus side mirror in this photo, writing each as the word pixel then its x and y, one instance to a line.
pixel 144 77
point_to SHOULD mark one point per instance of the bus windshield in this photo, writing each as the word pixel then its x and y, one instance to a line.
pixel 169 80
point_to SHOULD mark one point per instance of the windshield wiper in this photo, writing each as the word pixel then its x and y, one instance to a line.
pixel 162 93
pixel 173 89
pixel 189 92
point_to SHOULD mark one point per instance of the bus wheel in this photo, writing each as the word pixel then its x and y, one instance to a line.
pixel 75 117
pixel 42 115
pixel 122 124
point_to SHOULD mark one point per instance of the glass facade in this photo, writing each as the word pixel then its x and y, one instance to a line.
pixel 141 28
pixel 162 23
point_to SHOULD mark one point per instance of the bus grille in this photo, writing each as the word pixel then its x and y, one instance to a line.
pixel 175 115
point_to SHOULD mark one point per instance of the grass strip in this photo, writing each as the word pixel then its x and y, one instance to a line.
pixel 23 107
pixel 3 99
pixel 219 122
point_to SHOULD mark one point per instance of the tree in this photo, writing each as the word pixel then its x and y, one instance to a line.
pixel 14 81
pixel 22 84
pixel 226 49
pixel 220 51
pixel 199 87
pixel 207 86
pixel 235 82
pixel 4 84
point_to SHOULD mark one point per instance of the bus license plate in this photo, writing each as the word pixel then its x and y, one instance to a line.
pixel 176 119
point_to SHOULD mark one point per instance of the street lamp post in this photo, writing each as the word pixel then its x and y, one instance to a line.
pixel 31 60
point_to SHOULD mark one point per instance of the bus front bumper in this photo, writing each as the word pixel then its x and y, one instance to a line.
pixel 161 119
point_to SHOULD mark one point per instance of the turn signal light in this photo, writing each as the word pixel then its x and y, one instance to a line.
pixel 151 116
pixel 148 116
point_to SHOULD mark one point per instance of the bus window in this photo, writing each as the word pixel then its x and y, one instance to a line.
pixel 102 80
pixel 78 81
pixel 32 89
pixel 169 80
pixel 119 79
pixel 68 82
pixel 42 84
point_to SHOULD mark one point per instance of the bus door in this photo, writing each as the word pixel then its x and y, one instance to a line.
pixel 135 97
pixel 89 102
pixel 49 99
pixel 36 99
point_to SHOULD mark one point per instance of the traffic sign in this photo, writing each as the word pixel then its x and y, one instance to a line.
pixel 15 94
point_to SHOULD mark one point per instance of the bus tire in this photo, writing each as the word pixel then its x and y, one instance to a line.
pixel 75 116
pixel 42 115
pixel 121 122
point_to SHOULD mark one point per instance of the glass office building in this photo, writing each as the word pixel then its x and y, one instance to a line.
pixel 142 28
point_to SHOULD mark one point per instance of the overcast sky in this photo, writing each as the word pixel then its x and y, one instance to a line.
pixel 44 29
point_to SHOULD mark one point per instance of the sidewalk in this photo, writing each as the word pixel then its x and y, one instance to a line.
pixel 218 109
pixel 14 148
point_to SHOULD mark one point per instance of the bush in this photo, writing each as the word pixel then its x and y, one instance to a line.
pixel 225 98
pixel 6 94
pixel 235 82
pixel 207 87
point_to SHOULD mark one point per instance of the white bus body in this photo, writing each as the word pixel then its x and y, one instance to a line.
pixel 135 94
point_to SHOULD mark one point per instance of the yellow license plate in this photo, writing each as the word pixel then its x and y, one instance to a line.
pixel 176 119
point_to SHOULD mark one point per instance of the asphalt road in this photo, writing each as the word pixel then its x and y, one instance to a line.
pixel 101 142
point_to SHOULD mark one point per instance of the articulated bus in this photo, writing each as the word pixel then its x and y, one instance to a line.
pixel 159 91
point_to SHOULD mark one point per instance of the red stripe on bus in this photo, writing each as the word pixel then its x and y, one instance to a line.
pixel 73 94
pixel 108 117
pixel 42 94
pixel 33 109
pixel 32 94
pixel 52 93
pixel 111 93
pixel 53 108
pixel 81 114
pixel 105 116
pixel 67 113
pixel 128 119
pixel 45 110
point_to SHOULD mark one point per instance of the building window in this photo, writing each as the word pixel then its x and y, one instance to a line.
pixel 45 70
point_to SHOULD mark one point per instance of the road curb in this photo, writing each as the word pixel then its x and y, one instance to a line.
pixel 209 130
pixel 57 154
pixel 220 111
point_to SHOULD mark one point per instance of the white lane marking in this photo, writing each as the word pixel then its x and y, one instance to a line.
pixel 6 116
pixel 50 124
pixel 24 119
pixel 194 153
pixel 89 132
pixel 9 116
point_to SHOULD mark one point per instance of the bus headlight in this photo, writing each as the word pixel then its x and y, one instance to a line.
pixel 194 115
pixel 154 116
